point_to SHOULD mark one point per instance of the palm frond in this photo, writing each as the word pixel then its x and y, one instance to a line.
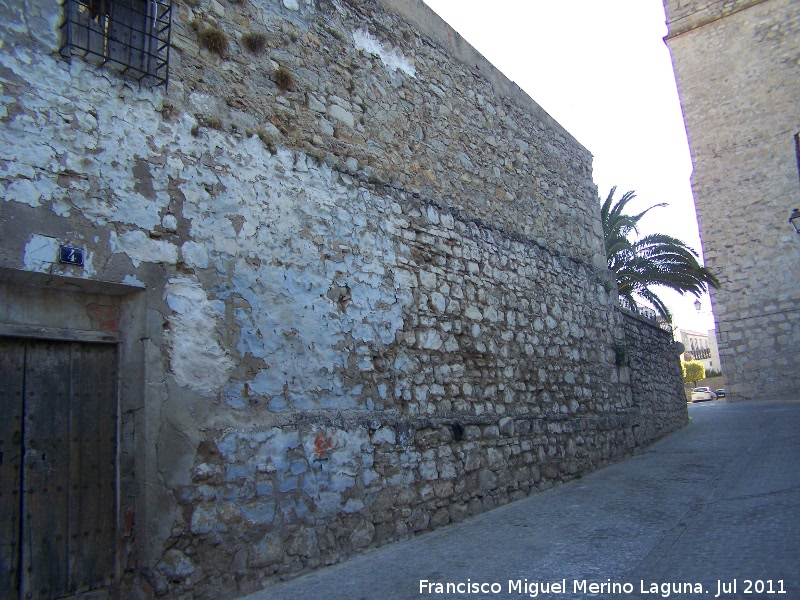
pixel 652 261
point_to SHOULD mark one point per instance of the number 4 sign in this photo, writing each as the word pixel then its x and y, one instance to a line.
pixel 70 255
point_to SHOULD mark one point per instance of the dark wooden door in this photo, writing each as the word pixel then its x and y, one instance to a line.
pixel 12 362
pixel 57 467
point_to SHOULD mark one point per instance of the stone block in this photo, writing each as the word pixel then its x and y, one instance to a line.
pixel 362 534
pixel 487 480
pixel 439 518
pixel 490 432
pixel 419 520
pixel 304 543
pixel 506 426
pixel 384 435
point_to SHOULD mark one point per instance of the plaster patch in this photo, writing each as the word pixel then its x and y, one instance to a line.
pixel 197 358
pixel 94 208
pixel 194 255
pixel 24 191
pixel 41 253
pixel 133 280
pixel 61 208
pixel 34 149
pixel 88 271
pixel 141 248
pixel 391 57
pixel 283 243
pixel 133 208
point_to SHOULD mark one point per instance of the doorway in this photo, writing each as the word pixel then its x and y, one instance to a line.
pixel 58 474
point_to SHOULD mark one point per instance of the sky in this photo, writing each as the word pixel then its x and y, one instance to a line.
pixel 603 71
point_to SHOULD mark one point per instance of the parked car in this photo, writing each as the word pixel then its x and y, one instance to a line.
pixel 703 393
pixel 720 393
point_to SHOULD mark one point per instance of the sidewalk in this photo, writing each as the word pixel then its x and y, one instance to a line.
pixel 700 513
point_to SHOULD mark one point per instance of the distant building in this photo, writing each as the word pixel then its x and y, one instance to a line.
pixel 736 67
pixel 701 347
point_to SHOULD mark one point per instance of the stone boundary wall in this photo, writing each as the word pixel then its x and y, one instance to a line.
pixel 360 306
pixel 656 379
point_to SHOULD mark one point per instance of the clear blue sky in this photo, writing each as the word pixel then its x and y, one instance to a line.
pixel 603 71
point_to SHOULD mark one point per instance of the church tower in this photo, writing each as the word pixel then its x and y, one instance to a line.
pixel 737 65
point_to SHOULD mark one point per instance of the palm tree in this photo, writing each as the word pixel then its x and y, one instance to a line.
pixel 653 260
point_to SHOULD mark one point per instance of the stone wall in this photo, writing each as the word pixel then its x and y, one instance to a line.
pixel 736 72
pixel 359 305
pixel 656 379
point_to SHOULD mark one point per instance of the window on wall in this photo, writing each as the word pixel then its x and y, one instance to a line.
pixel 131 35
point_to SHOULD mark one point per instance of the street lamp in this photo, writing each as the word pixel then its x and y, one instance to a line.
pixel 795 220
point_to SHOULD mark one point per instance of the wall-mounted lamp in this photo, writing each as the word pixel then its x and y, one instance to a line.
pixel 795 220
pixel 697 305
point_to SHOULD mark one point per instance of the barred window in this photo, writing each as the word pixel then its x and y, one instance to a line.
pixel 132 35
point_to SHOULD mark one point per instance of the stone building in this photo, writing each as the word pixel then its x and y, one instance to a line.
pixel 736 65
pixel 282 280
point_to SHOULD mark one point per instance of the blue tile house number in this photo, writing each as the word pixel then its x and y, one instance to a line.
pixel 70 255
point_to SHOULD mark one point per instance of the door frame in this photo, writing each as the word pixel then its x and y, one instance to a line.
pixel 50 307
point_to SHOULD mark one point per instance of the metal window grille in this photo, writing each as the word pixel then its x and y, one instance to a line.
pixel 797 150
pixel 132 35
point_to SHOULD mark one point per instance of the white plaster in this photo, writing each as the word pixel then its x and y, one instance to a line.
pixel 134 209
pixel 133 281
pixel 169 222
pixel 62 209
pixel 204 104
pixel 98 210
pixel 194 255
pixel 88 271
pixel 286 205
pixel 141 248
pixel 278 229
pixel 392 58
pixel 24 191
pixel 34 150
pixel 41 253
pixel 197 358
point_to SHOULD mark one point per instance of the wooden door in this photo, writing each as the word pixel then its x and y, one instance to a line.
pixel 12 361
pixel 58 469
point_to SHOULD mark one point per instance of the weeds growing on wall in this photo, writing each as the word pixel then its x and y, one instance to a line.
pixel 212 123
pixel 265 139
pixel 284 79
pixel 254 41
pixel 621 353
pixel 214 39
pixel 206 121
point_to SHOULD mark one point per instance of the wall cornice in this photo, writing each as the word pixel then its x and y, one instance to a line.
pixel 686 18
pixel 421 16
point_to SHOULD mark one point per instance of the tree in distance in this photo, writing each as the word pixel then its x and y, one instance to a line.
pixel 653 260
pixel 693 371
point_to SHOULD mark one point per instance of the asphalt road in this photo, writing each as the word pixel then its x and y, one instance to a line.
pixel 712 511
